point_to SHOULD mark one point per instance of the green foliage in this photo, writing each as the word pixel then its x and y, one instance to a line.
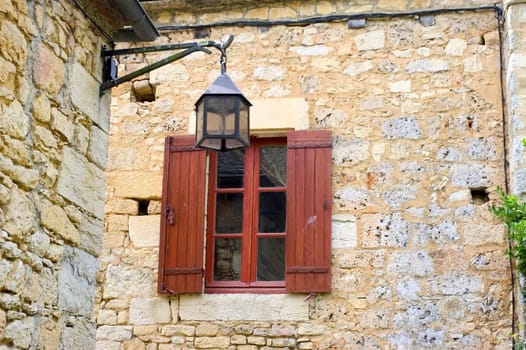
pixel 512 213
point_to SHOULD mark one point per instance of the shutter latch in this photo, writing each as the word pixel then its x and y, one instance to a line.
pixel 170 214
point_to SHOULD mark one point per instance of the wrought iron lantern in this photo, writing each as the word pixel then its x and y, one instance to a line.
pixel 222 115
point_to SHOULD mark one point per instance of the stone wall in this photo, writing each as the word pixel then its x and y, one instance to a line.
pixel 418 152
pixel 53 149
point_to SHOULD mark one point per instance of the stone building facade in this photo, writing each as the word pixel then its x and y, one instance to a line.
pixel 53 150
pixel 415 106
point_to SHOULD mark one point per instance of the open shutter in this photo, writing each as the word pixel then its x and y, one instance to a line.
pixel 182 219
pixel 309 202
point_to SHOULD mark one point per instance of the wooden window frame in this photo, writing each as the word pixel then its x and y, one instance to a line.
pixel 249 236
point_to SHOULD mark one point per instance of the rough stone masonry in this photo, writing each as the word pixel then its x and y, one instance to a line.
pixel 418 152
pixel 53 149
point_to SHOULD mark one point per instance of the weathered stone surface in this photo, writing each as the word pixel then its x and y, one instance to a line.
pixel 212 342
pixel 54 218
pixel 114 333
pixel 77 282
pixel 48 70
pixel 81 182
pixel 145 185
pixel 428 65
pixel 145 311
pixel 144 230
pixel 343 231
pixel 14 122
pixel 405 127
pixel 373 40
pixel 92 105
pixel 125 281
pixel 98 147
pixel 242 307
pixel 13 42
pixel 270 73
pixel 417 263
pixel 19 215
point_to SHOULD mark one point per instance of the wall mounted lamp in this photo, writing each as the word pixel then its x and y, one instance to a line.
pixel 222 112
pixel 222 115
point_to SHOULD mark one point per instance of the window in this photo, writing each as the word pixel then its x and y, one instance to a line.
pixel 268 216
pixel 246 226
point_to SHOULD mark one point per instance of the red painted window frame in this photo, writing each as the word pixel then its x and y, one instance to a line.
pixel 248 282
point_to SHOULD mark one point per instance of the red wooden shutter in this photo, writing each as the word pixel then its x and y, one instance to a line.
pixel 309 202
pixel 182 219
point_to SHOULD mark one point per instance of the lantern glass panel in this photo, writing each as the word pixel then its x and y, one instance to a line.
pixel 199 116
pixel 221 114
pixel 243 122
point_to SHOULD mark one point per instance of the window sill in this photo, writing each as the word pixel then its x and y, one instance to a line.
pixel 243 307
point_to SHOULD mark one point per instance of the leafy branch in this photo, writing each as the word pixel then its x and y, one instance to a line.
pixel 512 213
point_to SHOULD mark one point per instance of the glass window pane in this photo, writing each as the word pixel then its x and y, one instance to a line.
pixel 273 167
pixel 272 212
pixel 220 115
pixel 229 213
pixel 271 259
pixel 227 259
pixel 230 169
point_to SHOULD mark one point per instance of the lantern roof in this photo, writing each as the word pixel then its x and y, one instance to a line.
pixel 223 85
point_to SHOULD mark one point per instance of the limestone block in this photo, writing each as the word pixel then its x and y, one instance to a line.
pixel 180 330
pixel 404 127
pixel 13 43
pixel 122 206
pixel 323 8
pixel 279 113
pixel 379 230
pixel 473 64
pixel 343 231
pixel 349 150
pixel 428 65
pixel 281 13
pixel 81 182
pixel 20 331
pixel 41 108
pixel 7 73
pixel 48 287
pixel 212 342
pixel 16 150
pixel 48 70
pixel 238 339
pixel 207 307
pixel 54 218
pixel 483 148
pixel 313 329
pixel 108 345
pixel 144 230
pixel 44 137
pixel 474 234
pixel 455 47
pixel 260 13
pixel 316 50
pixel 91 235
pixel 373 40
pixel 137 184
pixel 355 69
pixel 114 333
pixel 417 263
pixel 400 86
pixel 62 124
pixel 98 147
pixel 457 283
pixel 399 196
pixel 362 258
pixel 471 175
pixel 330 118
pixel 89 103
pixel 269 73
pixel 76 281
pixel 206 329
pixel 80 334
pixel 14 122
pixel 145 311
pixel 19 216
pixel 354 198
pixel 408 289
pixel 127 281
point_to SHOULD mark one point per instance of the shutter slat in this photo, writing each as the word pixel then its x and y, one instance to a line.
pixel 309 198
pixel 182 242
